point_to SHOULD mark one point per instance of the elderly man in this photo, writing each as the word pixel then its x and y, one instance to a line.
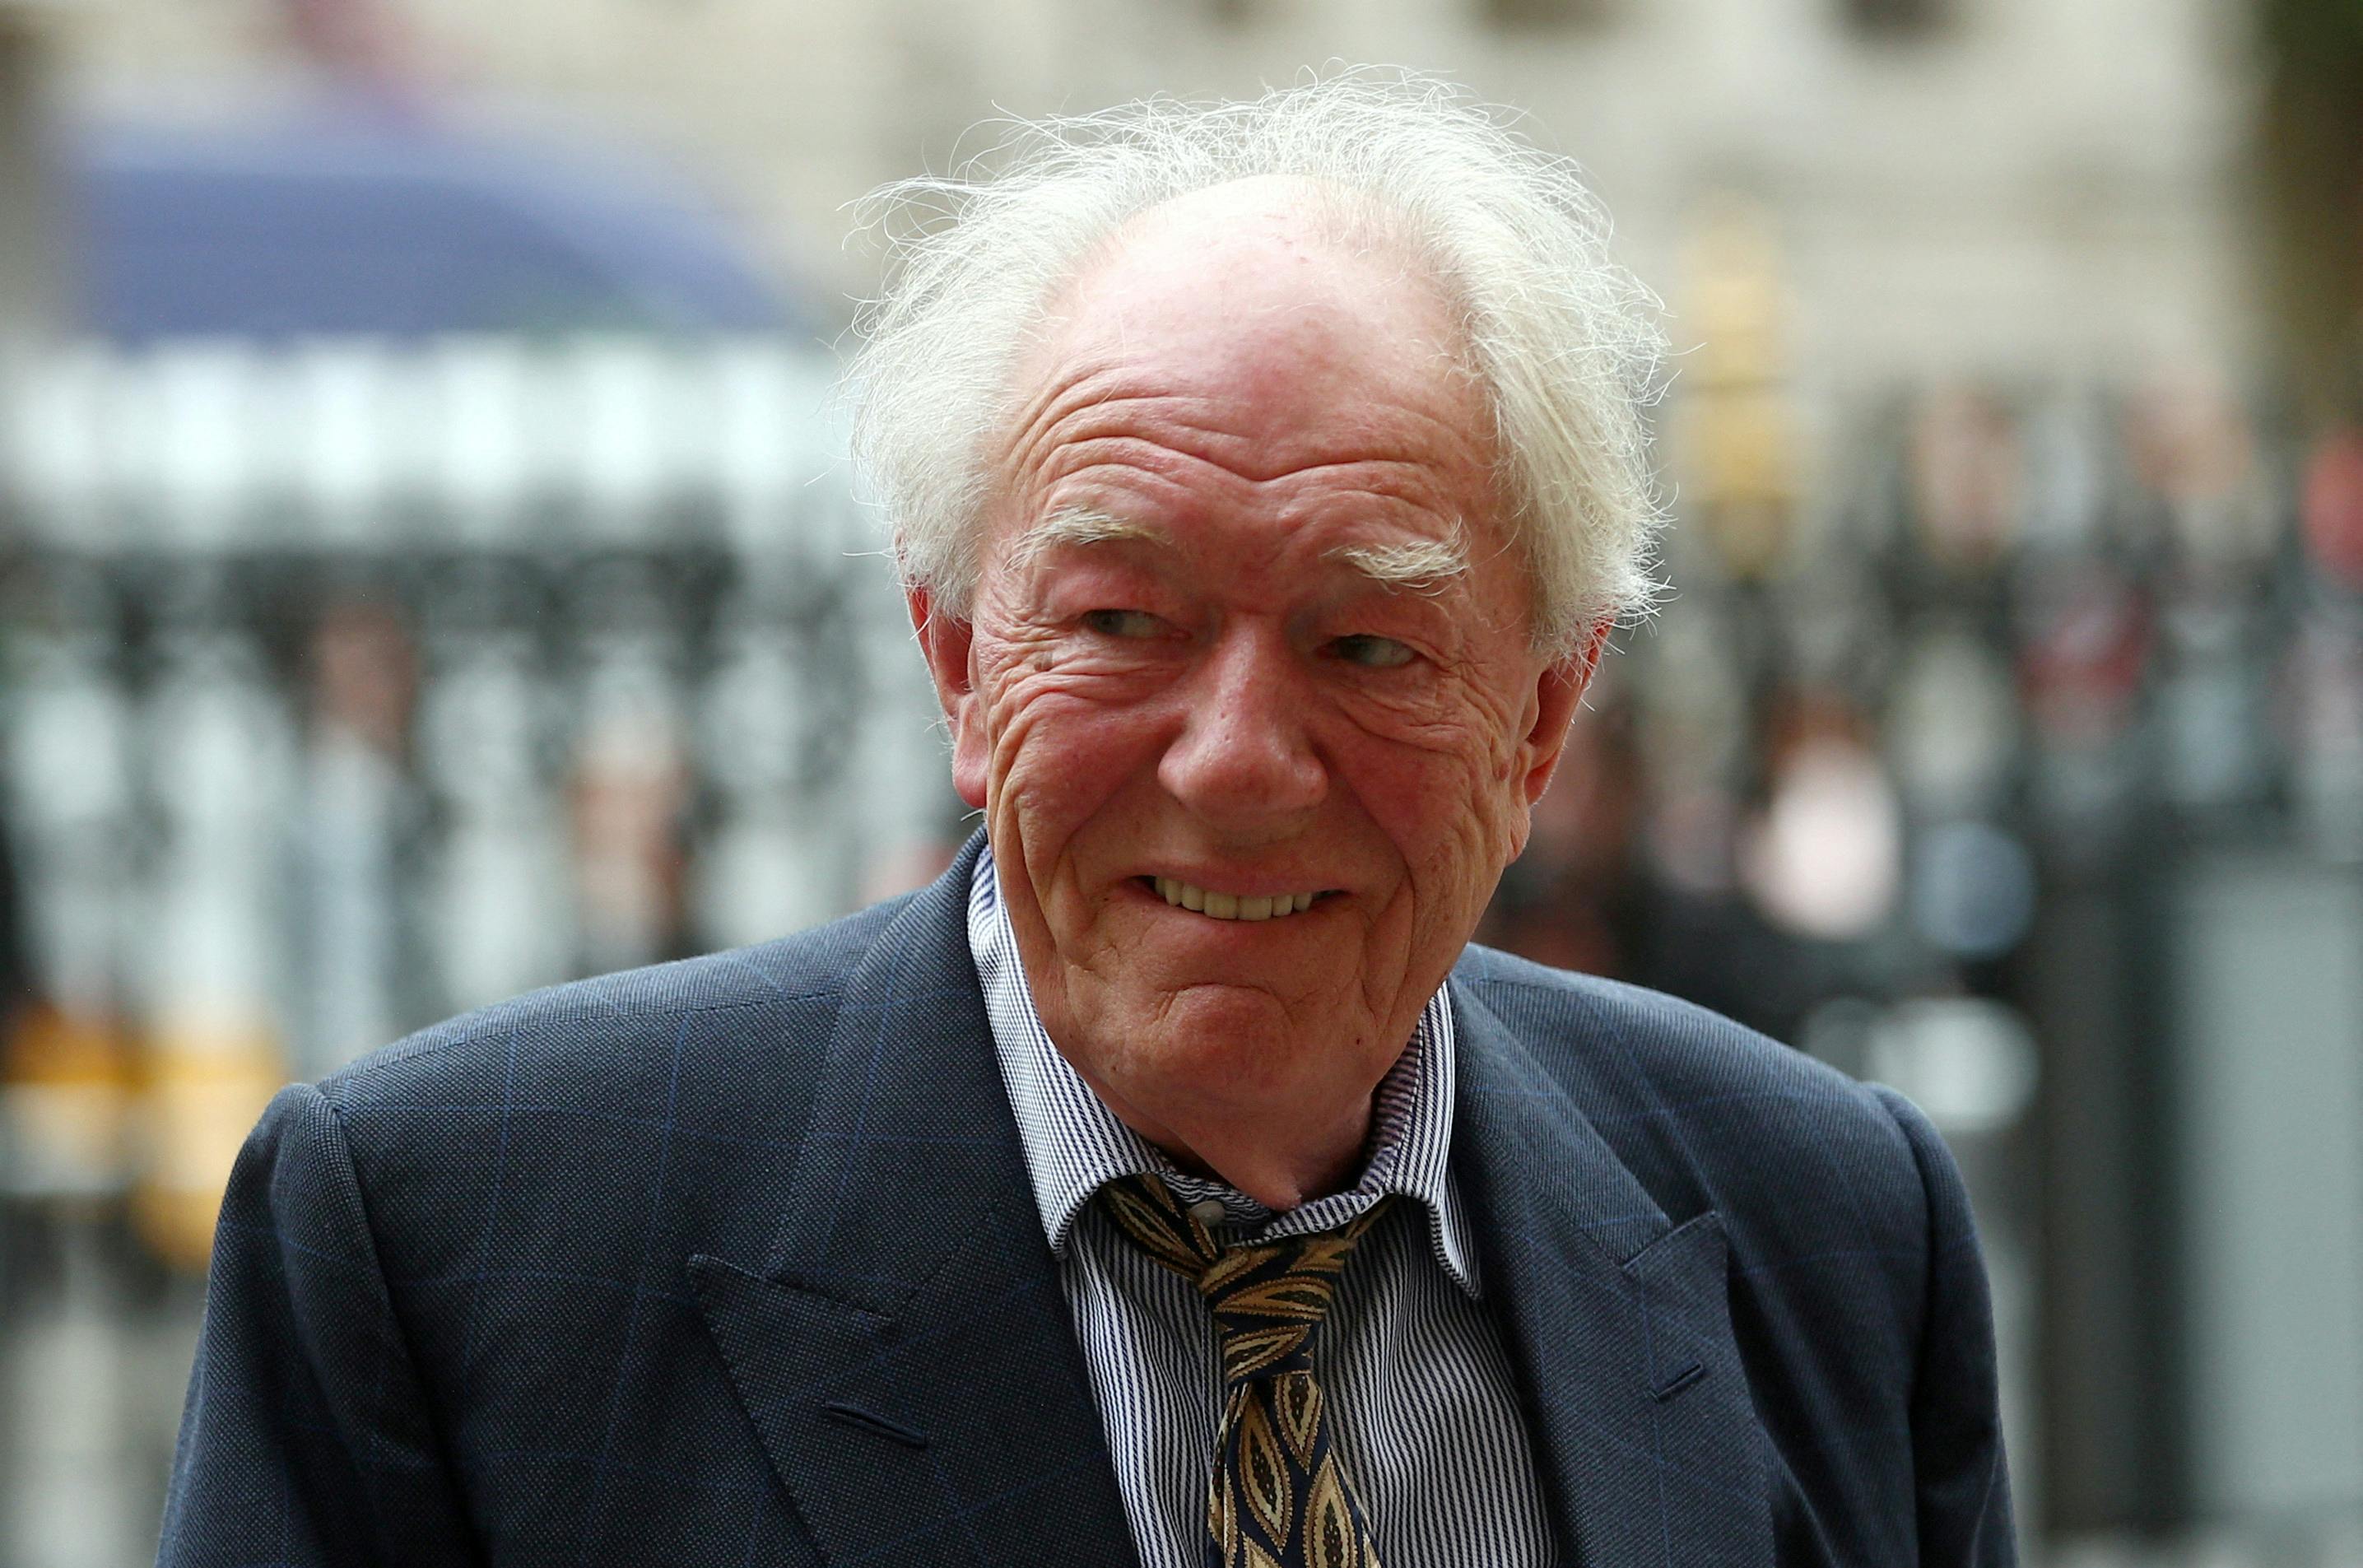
pixel 1171 1181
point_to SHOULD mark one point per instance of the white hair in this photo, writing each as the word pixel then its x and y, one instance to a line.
pixel 1564 344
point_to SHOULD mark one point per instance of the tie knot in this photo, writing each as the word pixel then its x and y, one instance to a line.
pixel 1267 1297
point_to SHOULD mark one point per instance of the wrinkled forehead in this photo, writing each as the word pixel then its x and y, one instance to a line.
pixel 1230 357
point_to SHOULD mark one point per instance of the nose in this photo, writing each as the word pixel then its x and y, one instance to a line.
pixel 1244 761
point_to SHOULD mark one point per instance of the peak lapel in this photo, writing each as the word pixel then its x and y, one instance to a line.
pixel 1616 1319
pixel 906 1353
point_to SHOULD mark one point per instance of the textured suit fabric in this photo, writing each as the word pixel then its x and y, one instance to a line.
pixel 735 1260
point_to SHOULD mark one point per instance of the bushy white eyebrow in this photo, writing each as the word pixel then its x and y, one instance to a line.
pixel 1073 526
pixel 1414 566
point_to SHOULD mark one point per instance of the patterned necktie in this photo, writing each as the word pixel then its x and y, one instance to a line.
pixel 1279 1498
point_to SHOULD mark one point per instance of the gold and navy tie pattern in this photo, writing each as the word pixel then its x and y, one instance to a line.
pixel 1279 1498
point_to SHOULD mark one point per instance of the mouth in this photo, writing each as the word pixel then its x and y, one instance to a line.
pixel 1230 905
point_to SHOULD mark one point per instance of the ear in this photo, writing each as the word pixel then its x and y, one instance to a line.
pixel 947 643
pixel 1559 691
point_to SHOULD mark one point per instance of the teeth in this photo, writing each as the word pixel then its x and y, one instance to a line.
pixel 1230 905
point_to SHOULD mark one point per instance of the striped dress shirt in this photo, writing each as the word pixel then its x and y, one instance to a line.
pixel 1425 1410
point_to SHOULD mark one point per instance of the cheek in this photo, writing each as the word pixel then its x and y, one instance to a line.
pixel 1451 810
pixel 1056 759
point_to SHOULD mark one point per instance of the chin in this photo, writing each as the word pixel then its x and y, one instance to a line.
pixel 1236 1009
pixel 1237 1039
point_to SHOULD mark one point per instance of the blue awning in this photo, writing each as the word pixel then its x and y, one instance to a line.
pixel 391 227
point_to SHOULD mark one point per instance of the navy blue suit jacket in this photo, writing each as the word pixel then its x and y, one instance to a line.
pixel 734 1261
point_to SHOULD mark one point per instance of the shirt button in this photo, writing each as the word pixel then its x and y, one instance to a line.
pixel 1207 1211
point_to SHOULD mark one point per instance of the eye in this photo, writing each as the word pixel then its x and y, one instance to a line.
pixel 1132 625
pixel 1373 652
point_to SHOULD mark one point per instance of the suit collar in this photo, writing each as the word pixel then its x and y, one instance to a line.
pixel 908 1318
pixel 1615 1316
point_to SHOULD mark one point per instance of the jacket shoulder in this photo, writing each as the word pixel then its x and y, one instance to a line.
pixel 1711 1114
pixel 552 1117
pixel 1671 1054
pixel 583 1032
pixel 1852 1253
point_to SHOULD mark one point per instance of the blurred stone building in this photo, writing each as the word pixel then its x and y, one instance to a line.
pixel 2005 188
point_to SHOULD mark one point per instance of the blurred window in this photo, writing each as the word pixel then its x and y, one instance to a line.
pixel 1896 18
pixel 1528 14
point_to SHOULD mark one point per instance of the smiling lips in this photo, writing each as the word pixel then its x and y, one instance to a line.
pixel 1231 906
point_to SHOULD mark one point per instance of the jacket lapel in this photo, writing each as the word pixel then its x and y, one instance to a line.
pixel 1616 1319
pixel 906 1353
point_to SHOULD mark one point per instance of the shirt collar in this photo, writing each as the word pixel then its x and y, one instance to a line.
pixel 1075 1144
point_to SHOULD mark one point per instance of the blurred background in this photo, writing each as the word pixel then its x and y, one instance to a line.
pixel 428 569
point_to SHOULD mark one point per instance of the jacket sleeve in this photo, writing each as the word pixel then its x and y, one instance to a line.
pixel 1957 1445
pixel 307 1438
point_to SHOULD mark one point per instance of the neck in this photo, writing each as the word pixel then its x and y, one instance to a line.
pixel 1280 1166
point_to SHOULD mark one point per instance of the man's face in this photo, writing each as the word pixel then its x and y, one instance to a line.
pixel 1251 767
